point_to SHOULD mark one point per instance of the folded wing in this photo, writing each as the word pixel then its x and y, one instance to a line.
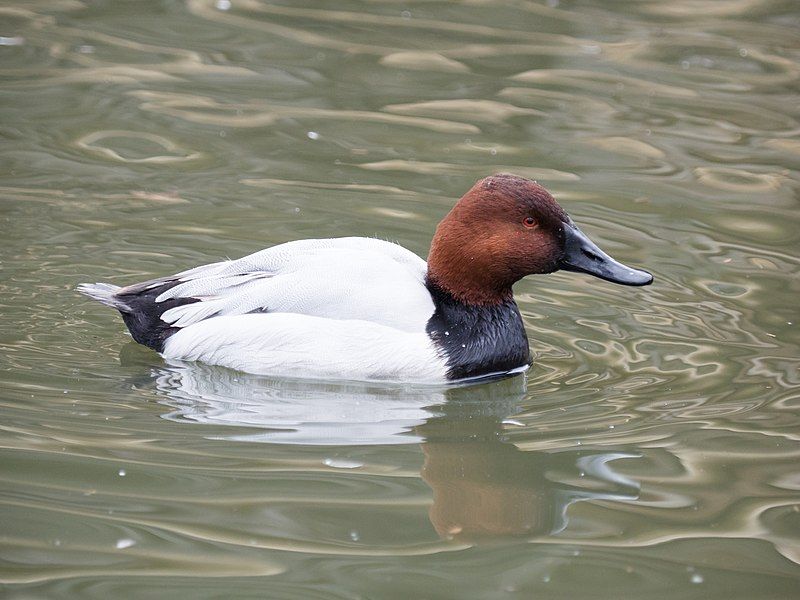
pixel 341 278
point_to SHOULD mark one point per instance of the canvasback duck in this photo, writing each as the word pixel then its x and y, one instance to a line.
pixel 366 309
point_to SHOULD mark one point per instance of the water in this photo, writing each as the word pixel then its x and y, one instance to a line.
pixel 652 451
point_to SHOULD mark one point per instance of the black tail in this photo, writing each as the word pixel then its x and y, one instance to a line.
pixel 139 309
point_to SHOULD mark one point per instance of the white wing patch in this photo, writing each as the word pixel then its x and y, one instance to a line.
pixel 342 278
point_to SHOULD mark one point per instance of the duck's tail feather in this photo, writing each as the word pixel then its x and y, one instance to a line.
pixel 105 293
pixel 139 309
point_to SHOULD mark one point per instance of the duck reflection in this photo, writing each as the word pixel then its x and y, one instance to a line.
pixel 483 486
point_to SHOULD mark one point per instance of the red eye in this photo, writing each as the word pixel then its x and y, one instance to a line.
pixel 529 222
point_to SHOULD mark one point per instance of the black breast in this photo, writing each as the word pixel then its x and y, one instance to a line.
pixel 477 340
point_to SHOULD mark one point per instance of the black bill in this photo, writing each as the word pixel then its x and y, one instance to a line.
pixel 583 256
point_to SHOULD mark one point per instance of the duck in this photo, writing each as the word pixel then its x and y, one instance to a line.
pixel 366 309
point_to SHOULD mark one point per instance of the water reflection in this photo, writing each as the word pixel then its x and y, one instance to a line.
pixel 483 485
pixel 290 411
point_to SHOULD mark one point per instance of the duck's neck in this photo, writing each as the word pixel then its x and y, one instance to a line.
pixel 477 339
pixel 466 266
pixel 471 287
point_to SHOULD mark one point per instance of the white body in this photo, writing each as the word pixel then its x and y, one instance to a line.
pixel 352 308
pixel 296 345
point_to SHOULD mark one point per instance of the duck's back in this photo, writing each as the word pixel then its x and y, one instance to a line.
pixel 342 278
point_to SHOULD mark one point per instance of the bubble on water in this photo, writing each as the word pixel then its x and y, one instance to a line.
pixel 125 543
pixel 742 52
pixel 406 14
pixel 121 473
pixel 354 535
pixel 312 135
pixel 223 4
pixel 697 578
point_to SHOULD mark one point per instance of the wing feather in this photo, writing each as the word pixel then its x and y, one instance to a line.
pixel 343 278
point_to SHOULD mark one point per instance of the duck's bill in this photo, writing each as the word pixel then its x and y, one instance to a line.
pixel 583 256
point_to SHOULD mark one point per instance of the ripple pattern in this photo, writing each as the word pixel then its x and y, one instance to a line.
pixel 653 446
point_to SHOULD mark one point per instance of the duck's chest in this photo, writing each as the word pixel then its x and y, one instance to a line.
pixel 478 340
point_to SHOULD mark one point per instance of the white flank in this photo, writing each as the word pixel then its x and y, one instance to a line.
pixel 293 345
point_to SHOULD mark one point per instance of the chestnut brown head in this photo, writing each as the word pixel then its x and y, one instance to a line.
pixel 507 227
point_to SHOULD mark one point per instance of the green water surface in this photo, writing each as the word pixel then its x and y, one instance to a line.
pixel 653 451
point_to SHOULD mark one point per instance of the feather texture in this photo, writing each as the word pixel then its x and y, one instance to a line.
pixel 294 345
pixel 342 278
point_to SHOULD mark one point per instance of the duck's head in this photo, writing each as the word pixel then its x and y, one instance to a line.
pixel 507 227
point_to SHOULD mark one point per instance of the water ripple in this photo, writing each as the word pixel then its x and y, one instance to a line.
pixel 653 444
